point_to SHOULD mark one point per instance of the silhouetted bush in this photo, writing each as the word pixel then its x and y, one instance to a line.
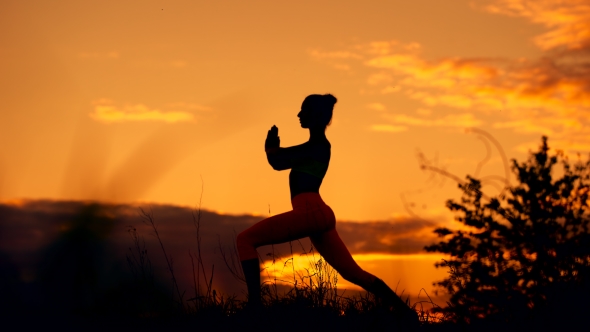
pixel 524 254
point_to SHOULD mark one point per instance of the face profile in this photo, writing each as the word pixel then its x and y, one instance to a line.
pixel 305 116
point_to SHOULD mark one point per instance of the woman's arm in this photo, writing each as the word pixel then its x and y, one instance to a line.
pixel 285 158
pixel 282 158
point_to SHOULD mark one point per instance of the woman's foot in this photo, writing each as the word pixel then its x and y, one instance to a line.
pixel 388 297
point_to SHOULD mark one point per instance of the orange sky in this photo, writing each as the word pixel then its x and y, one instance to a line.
pixel 123 101
pixel 127 101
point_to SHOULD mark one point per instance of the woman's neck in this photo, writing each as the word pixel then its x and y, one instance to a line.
pixel 317 134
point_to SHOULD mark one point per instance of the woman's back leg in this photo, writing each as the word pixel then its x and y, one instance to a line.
pixel 334 251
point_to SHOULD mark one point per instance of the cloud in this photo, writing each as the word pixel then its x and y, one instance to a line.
pixel 137 113
pixel 30 225
pixel 389 89
pixel 333 55
pixel 386 47
pixel 179 63
pixel 389 128
pixel 341 66
pixel 525 126
pixel 334 59
pixel 568 21
pixel 189 106
pixel 31 230
pixel 376 106
pixel 451 120
pixel 99 55
pixel 400 236
pixel 549 94
pixel 379 78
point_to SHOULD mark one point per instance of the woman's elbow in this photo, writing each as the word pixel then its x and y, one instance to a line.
pixel 279 167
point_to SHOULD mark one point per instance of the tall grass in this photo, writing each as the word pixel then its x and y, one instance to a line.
pixel 314 291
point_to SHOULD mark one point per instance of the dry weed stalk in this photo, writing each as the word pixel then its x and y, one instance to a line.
pixel 148 219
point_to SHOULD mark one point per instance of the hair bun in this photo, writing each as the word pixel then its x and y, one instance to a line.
pixel 330 99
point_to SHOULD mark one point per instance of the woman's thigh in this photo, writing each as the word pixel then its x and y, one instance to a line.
pixel 285 227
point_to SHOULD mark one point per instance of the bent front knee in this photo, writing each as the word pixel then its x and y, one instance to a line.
pixel 243 240
pixel 246 246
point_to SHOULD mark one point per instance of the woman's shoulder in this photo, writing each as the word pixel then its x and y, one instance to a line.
pixel 318 147
pixel 320 151
pixel 319 144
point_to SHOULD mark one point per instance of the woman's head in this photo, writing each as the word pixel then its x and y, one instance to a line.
pixel 316 111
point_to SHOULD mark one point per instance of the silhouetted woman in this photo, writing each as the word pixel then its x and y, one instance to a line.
pixel 310 217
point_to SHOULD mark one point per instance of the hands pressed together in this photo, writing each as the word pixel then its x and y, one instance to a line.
pixel 272 139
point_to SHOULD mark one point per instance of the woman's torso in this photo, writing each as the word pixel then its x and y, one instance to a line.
pixel 308 172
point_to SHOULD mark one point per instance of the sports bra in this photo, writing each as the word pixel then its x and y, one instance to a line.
pixel 312 167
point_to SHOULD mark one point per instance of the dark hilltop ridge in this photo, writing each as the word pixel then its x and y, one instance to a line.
pixel 81 259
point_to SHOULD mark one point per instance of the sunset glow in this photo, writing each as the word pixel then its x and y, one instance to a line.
pixel 169 103
pixel 395 269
